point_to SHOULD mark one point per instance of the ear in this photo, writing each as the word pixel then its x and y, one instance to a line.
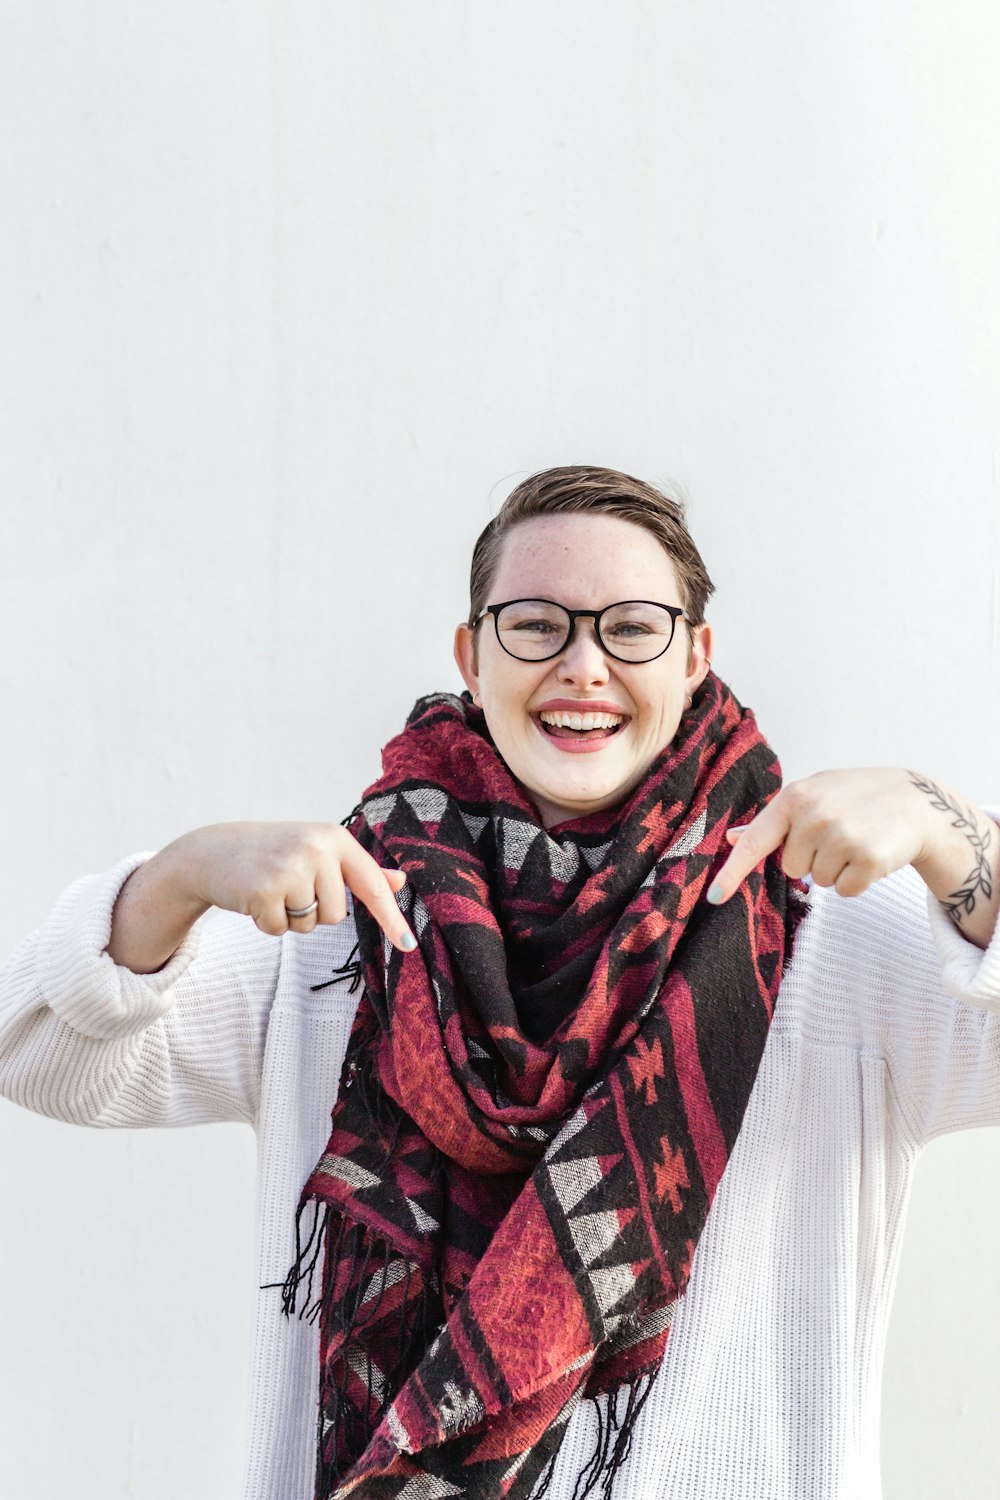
pixel 701 657
pixel 465 656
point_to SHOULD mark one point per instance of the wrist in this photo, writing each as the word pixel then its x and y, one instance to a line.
pixel 177 871
pixel 959 860
pixel 151 918
pixel 949 827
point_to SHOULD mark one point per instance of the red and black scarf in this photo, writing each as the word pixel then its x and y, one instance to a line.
pixel 536 1105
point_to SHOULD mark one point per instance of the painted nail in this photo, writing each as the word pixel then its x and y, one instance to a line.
pixel 408 941
pixel 715 893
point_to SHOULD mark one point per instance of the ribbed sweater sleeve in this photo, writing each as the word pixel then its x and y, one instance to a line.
pixel 84 1040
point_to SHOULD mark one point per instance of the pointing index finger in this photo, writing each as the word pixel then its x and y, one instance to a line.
pixel 754 842
pixel 369 883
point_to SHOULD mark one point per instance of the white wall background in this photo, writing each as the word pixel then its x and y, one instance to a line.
pixel 288 292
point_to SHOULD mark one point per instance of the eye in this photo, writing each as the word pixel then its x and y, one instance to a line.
pixel 628 630
pixel 535 627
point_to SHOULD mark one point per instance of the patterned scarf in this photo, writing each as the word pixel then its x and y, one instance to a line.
pixel 536 1105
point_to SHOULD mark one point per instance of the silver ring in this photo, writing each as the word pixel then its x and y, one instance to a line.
pixel 303 911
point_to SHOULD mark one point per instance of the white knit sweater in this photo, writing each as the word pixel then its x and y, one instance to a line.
pixel 885 1034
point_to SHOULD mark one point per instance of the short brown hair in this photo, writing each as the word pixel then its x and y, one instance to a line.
pixel 580 489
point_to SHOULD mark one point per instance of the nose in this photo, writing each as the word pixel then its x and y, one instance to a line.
pixel 583 660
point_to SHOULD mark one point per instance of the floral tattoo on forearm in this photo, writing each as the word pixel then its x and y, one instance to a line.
pixel 963 901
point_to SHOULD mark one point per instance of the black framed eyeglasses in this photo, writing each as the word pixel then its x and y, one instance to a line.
pixel 635 630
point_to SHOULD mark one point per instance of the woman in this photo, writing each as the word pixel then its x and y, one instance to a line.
pixel 596 1004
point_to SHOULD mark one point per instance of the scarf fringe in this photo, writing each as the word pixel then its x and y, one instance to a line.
pixel 614 1441
pixel 345 1426
pixel 327 1219
pixel 303 1267
pixel 352 968
pixel 348 1428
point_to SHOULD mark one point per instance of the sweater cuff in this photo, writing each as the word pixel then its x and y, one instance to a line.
pixel 80 981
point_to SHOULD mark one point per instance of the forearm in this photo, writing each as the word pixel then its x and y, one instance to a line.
pixel 961 857
pixel 88 1042
pixel 154 912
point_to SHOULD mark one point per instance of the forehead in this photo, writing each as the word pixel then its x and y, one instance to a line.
pixel 582 561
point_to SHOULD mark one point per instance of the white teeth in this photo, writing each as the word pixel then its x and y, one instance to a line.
pixel 563 720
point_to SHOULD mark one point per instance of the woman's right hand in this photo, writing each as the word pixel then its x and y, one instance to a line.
pixel 257 869
pixel 262 869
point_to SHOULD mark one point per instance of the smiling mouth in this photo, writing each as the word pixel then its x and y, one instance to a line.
pixel 583 727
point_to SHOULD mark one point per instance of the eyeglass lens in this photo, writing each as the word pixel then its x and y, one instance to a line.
pixel 533 629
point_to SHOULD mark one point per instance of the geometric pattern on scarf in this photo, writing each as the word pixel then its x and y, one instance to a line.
pixel 536 1105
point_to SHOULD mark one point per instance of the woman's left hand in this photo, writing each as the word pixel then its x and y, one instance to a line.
pixel 843 828
pixel 849 828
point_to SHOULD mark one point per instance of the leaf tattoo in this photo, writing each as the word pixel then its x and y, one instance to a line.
pixel 963 901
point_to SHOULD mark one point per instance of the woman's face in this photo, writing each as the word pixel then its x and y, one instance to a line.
pixel 583 562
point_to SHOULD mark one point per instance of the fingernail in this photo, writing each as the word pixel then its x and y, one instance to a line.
pixel 715 893
pixel 739 827
pixel 408 941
